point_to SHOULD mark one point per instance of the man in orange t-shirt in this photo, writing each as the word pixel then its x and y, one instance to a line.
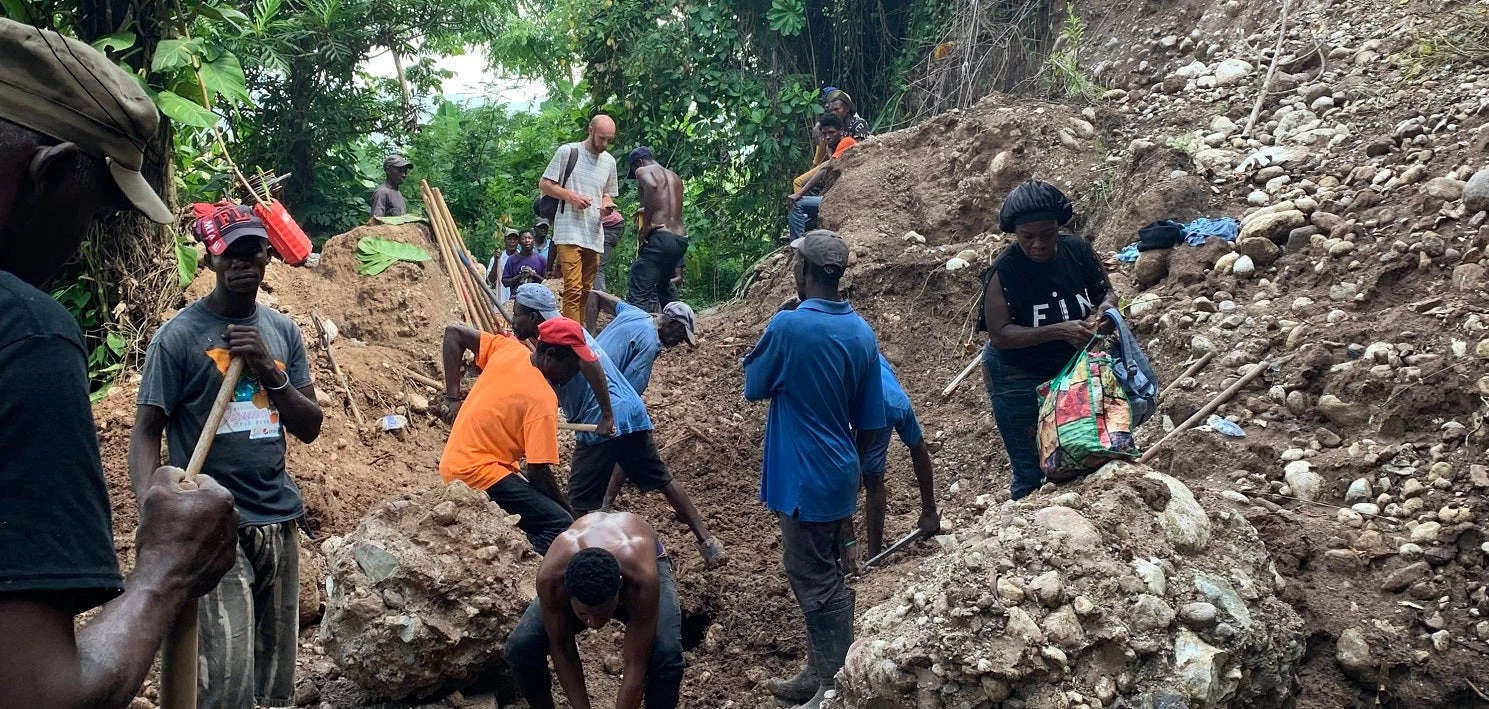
pixel 510 414
pixel 806 201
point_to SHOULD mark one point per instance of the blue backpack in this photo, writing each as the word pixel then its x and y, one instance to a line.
pixel 1132 369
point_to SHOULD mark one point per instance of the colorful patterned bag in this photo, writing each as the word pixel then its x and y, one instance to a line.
pixel 1084 418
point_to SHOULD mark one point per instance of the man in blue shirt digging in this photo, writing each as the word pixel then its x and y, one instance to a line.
pixel 819 366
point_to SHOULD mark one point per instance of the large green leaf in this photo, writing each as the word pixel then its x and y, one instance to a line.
pixel 172 54
pixel 402 218
pixel 185 112
pixel 186 262
pixel 114 42
pixel 375 255
pixel 224 76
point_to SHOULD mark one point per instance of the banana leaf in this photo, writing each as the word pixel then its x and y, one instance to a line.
pixel 375 255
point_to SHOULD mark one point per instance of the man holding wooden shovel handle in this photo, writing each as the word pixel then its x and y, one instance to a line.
pixel 73 129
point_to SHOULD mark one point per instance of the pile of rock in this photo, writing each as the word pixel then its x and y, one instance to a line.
pixel 1122 588
pixel 424 593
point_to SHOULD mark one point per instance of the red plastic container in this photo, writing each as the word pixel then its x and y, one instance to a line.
pixel 287 238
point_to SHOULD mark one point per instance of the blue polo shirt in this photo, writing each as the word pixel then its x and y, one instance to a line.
pixel 631 341
pixel 897 409
pixel 580 405
pixel 819 366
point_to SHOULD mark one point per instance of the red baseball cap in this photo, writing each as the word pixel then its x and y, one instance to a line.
pixel 566 332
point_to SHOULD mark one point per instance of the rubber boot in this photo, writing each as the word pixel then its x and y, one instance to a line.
pixel 830 631
pixel 798 688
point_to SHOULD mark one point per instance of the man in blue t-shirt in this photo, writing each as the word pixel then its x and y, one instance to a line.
pixel 564 350
pixel 818 365
pixel 634 338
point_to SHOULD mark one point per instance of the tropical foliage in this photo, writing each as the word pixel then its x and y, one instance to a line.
pixel 724 91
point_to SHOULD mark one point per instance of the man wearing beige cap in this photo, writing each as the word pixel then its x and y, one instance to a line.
pixel 73 135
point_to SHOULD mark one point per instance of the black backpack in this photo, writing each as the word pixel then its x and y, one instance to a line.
pixel 546 207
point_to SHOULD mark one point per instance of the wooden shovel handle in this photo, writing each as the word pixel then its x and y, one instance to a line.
pixel 179 654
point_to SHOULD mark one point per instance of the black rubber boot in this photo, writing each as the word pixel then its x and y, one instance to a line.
pixel 798 688
pixel 830 631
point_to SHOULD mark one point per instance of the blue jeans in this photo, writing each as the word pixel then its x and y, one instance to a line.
pixel 1015 398
pixel 803 216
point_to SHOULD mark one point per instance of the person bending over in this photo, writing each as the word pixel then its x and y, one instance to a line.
pixel 607 565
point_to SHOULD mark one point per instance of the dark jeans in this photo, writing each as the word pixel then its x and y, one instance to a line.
pixel 803 216
pixel 542 518
pixel 612 237
pixel 651 272
pixel 810 552
pixel 1015 400
pixel 527 650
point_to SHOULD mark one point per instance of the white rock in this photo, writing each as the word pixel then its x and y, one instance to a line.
pixel 1243 266
pixel 1231 71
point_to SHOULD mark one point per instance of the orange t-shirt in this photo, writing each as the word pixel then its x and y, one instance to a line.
pixel 511 413
pixel 844 144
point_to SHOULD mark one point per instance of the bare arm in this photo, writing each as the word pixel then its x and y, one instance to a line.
pixel 458 340
pixel 561 647
pixel 185 542
pixel 594 373
pixel 298 411
pixel 558 192
pixel 641 601
pixel 144 446
pixel 1005 335
pixel 598 301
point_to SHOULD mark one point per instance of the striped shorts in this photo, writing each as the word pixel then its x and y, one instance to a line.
pixel 250 622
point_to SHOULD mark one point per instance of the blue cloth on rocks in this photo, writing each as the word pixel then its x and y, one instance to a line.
pixel 1201 229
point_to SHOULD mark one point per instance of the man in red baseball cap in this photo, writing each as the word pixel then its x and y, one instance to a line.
pixel 248 623
pixel 563 351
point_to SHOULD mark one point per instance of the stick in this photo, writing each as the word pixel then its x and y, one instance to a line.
pixel 965 371
pixel 462 261
pixel 436 224
pixel 1215 403
pixel 580 427
pixel 320 331
pixel 178 656
pixel 1191 371
pixel 426 381
pixel 1261 96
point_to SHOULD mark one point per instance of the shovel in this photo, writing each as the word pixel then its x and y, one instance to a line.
pixel 912 536
pixel 178 654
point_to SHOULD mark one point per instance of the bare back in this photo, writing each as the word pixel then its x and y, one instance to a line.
pixel 661 197
pixel 628 537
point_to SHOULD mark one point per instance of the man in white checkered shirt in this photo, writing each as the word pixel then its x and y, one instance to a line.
pixel 584 199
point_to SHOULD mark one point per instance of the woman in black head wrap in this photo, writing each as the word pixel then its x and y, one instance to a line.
pixel 1041 300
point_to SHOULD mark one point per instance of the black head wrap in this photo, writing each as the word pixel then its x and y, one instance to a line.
pixel 1034 201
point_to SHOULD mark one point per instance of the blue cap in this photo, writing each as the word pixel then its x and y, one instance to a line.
pixel 828 89
pixel 637 155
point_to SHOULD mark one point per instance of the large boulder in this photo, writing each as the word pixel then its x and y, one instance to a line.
pixel 968 628
pixel 423 594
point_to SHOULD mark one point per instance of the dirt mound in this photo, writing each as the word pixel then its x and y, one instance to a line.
pixel 424 593
pixel 1120 588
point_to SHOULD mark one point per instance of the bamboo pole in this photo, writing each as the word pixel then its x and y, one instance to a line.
pixel 1215 403
pixel 475 292
pixel 438 227
pixel 467 263
pixel 1191 371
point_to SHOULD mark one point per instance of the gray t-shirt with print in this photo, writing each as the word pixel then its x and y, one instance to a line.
pixel 594 177
pixel 184 367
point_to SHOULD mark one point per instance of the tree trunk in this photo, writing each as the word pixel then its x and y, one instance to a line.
pixel 410 119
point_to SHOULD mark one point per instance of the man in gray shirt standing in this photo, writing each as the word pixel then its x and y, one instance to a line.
pixel 387 201
pixel 587 196
pixel 248 624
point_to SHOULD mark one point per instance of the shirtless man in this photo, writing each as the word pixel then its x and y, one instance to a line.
pixel 663 238
pixel 607 565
